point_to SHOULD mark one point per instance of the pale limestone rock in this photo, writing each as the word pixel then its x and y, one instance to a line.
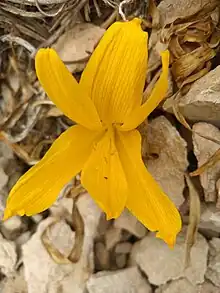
pixel 122 281
pixel 207 287
pixel 37 218
pixel 8 165
pixel 8 256
pixel 12 227
pixel 6 154
pixel 210 220
pixel 13 223
pixel 124 247
pixel 3 178
pixel 3 195
pixel 42 273
pixel 184 286
pixel 104 226
pixel 45 274
pixel 168 169
pixel 78 43
pixel 162 264
pixel 213 271
pixel 112 237
pixel 202 102
pixel 23 238
pixel 14 174
pixel 121 260
pixel 102 257
pixel 171 10
pixel 61 206
pixel 204 149
pixel 14 284
pixel 130 223
pixel 177 286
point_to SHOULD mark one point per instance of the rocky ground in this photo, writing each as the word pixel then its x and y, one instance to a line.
pixel 72 248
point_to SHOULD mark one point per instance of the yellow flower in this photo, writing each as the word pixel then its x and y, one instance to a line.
pixel 105 146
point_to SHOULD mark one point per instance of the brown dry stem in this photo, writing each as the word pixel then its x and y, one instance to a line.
pixel 194 219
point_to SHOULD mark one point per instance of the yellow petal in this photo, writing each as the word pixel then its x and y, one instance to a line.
pixel 115 74
pixel 36 190
pixel 104 177
pixel 140 113
pixel 146 200
pixel 62 88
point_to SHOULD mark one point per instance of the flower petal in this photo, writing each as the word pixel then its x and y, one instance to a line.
pixel 36 190
pixel 140 113
pixel 62 88
pixel 104 177
pixel 115 74
pixel 146 200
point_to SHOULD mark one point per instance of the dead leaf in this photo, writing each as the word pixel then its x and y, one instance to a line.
pixel 188 36
pixel 78 225
pixel 186 84
pixel 179 116
pixel 54 112
pixel 188 63
pixel 54 253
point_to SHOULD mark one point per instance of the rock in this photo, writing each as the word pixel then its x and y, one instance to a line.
pixel 62 208
pixel 14 284
pixel 122 281
pixel 12 228
pixel 47 276
pixel 8 167
pixel 213 271
pixel 8 256
pixel 37 218
pixel 78 43
pixel 6 154
pixel 184 286
pixel 3 178
pixel 13 178
pixel 112 237
pixel 3 195
pixel 177 286
pixel 63 205
pixel 121 260
pixel 23 238
pixel 204 149
pixel 104 226
pixel 210 220
pixel 102 257
pixel 163 140
pixel 207 287
pixel 154 59
pixel 162 264
pixel 202 102
pixel 58 209
pixel 130 223
pixel 171 10
pixel 124 247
